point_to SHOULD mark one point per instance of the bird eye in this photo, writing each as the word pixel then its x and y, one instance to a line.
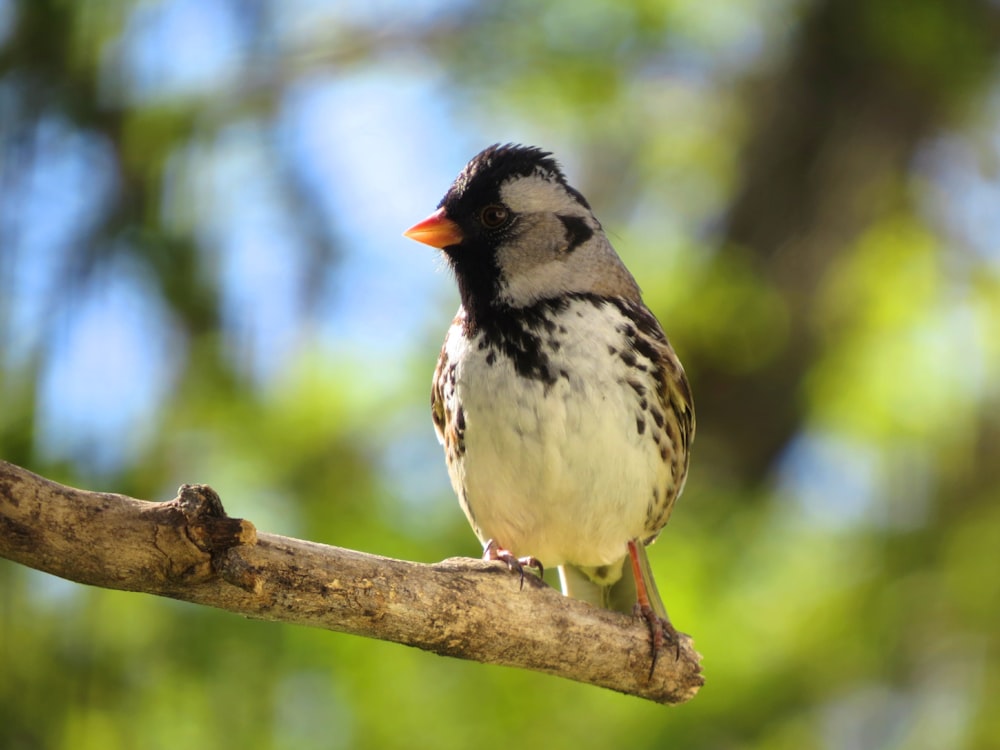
pixel 493 216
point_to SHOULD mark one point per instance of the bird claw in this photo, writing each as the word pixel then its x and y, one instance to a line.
pixel 493 551
pixel 661 633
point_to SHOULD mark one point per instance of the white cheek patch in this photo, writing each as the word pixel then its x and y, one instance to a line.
pixel 533 194
pixel 543 281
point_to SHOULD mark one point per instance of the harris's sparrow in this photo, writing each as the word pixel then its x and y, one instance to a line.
pixel 565 415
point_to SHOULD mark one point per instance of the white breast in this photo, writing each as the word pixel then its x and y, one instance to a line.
pixel 558 471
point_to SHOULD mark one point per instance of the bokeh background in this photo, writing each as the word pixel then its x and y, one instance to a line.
pixel 202 279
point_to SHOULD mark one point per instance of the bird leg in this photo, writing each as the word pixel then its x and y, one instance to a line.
pixel 493 551
pixel 660 629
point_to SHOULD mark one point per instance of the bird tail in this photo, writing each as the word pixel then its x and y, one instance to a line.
pixel 577 584
pixel 592 584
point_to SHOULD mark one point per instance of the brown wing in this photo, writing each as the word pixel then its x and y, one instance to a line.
pixel 449 418
pixel 446 412
pixel 673 413
pixel 438 414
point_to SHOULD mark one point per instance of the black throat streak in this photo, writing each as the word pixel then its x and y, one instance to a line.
pixel 527 336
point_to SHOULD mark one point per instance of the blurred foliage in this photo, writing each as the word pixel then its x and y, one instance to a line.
pixel 199 215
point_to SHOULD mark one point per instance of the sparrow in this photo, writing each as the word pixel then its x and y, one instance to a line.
pixel 565 415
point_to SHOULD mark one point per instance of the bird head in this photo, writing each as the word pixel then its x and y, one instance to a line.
pixel 515 232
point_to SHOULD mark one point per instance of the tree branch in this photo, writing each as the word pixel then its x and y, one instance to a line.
pixel 189 549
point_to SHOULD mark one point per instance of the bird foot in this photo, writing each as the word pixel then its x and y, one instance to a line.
pixel 493 551
pixel 660 630
pixel 662 633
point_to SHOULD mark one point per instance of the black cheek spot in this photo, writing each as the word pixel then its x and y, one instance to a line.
pixel 577 231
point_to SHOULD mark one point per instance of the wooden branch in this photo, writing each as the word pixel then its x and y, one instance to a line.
pixel 189 549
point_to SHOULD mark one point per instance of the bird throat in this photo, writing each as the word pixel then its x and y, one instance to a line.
pixel 527 337
pixel 478 277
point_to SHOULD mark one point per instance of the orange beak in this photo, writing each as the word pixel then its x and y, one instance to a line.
pixel 437 230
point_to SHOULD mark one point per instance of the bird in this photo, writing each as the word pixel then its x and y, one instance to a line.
pixel 565 416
